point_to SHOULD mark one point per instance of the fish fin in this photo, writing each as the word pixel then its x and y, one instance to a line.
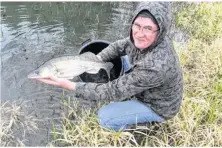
pixel 108 68
pixel 70 73
pixel 65 77
pixel 93 70
pixel 69 78
pixel 89 56
pixel 88 53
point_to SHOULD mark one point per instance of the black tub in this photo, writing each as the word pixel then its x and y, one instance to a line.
pixel 95 47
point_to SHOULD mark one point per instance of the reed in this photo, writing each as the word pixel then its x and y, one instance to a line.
pixel 15 124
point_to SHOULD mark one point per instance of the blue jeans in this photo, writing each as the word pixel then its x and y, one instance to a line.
pixel 118 115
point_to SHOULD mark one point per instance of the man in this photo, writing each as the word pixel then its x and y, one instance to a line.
pixel 153 75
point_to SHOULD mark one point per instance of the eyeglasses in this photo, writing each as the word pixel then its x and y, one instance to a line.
pixel 146 30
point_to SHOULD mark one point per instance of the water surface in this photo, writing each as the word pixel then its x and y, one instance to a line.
pixel 33 32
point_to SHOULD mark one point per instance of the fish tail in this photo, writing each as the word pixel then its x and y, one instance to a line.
pixel 109 67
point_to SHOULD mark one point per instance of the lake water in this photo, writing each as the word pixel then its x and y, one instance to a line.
pixel 34 32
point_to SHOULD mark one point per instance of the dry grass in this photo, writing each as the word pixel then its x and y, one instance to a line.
pixel 191 127
pixel 81 128
pixel 14 124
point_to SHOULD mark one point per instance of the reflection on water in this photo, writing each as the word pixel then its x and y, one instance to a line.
pixel 121 19
pixel 33 33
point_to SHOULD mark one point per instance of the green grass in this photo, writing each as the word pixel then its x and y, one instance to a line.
pixel 202 21
pixel 199 122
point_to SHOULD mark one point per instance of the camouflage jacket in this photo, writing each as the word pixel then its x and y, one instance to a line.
pixel 156 78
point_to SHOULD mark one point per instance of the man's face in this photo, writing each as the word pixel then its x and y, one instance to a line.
pixel 144 32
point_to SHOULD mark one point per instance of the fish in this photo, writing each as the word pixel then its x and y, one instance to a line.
pixel 71 66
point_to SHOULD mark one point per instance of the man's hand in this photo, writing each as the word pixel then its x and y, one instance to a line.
pixel 64 83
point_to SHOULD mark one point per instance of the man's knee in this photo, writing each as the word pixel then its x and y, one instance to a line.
pixel 105 118
pixel 102 115
pixel 108 119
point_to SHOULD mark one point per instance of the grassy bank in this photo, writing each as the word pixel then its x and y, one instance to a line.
pixel 199 122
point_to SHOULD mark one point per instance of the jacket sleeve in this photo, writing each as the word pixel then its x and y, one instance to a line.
pixel 114 49
pixel 128 85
